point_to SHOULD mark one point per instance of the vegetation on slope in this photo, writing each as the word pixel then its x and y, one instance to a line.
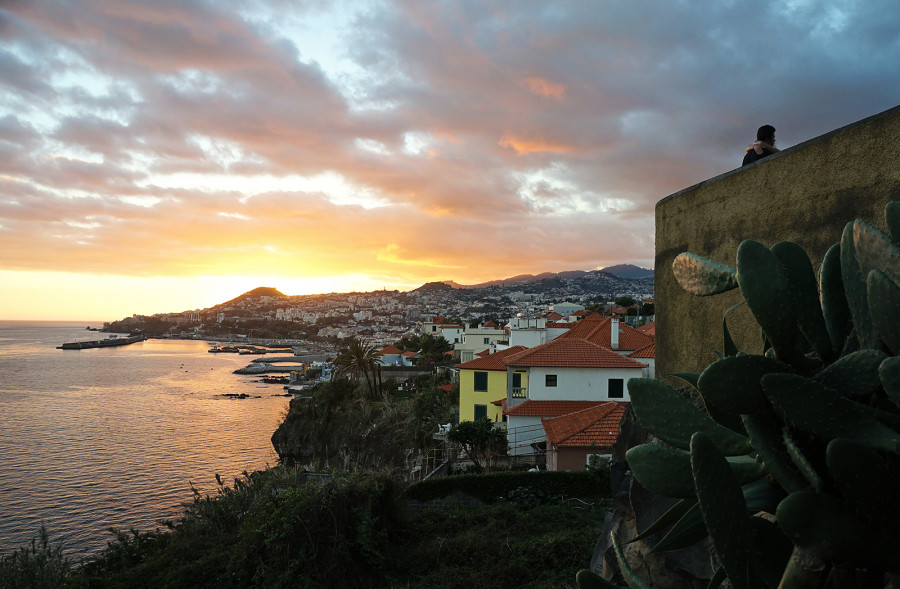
pixel 272 529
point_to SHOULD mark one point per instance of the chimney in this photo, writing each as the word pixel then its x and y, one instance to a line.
pixel 614 333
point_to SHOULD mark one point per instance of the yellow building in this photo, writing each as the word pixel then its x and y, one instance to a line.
pixel 483 381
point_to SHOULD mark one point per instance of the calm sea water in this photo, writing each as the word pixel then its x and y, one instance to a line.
pixel 92 439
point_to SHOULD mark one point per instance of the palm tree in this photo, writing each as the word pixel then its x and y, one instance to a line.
pixel 360 361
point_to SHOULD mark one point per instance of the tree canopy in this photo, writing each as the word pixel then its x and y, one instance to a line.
pixel 480 440
pixel 360 361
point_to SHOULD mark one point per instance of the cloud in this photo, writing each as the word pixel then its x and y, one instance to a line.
pixel 459 140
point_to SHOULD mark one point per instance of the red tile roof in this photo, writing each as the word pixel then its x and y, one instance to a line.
pixel 553 316
pixel 490 324
pixel 390 350
pixel 649 328
pixel 483 353
pixel 582 313
pixel 571 353
pixel 560 325
pixel 596 329
pixel 410 354
pixel 446 387
pixel 492 361
pixel 646 352
pixel 594 426
pixel 549 408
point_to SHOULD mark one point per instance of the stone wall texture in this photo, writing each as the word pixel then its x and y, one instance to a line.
pixel 805 194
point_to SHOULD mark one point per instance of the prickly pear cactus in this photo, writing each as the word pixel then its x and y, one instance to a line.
pixel 793 471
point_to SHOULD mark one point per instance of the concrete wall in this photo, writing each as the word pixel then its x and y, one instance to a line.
pixel 805 194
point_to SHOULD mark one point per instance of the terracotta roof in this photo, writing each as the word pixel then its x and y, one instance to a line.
pixel 410 354
pixel 560 325
pixel 483 353
pixel 549 408
pixel 446 387
pixel 571 353
pixel 492 361
pixel 490 324
pixel 647 352
pixel 596 329
pixel 500 403
pixel 594 426
pixel 582 313
pixel 648 328
pixel 389 351
pixel 553 316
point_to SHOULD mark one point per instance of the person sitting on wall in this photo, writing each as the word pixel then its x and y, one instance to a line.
pixel 763 146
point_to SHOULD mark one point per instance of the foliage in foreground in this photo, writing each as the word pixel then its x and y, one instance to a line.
pixel 272 529
pixel 807 434
pixel 497 546
pixel 37 565
pixel 269 530
pixel 592 484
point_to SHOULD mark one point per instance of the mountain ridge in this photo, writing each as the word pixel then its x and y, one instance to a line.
pixel 628 271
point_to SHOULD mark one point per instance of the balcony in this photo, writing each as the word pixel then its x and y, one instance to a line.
pixel 519 392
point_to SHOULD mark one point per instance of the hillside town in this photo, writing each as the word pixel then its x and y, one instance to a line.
pixel 544 359
pixel 383 317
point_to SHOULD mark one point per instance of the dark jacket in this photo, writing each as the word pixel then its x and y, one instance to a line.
pixel 751 155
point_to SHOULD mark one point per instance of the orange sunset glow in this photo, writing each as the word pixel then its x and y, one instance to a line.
pixel 164 156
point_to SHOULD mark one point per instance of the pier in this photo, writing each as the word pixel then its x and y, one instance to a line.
pixel 110 342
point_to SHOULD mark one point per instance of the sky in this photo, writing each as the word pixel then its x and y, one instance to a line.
pixel 166 155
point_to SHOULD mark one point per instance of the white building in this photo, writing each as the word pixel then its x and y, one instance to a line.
pixel 527 331
pixel 566 369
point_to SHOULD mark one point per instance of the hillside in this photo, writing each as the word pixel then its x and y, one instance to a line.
pixel 628 271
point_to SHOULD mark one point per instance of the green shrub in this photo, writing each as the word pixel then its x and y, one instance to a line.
pixel 496 546
pixel 491 487
pixel 269 530
pixel 37 565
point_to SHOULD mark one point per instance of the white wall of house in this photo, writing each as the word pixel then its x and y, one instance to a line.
pixel 555 332
pixel 451 334
pixel 477 339
pixel 521 432
pixel 527 337
pixel 577 384
pixel 566 309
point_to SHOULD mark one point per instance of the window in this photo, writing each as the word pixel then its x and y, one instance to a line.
pixel 481 380
pixel 480 411
pixel 550 380
pixel 616 390
pixel 487 340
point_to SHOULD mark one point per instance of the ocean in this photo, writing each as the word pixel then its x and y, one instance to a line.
pixel 114 437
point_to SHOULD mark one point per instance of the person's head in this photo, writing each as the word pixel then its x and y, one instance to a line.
pixel 766 133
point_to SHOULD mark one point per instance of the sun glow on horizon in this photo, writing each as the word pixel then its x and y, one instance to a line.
pixel 31 295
